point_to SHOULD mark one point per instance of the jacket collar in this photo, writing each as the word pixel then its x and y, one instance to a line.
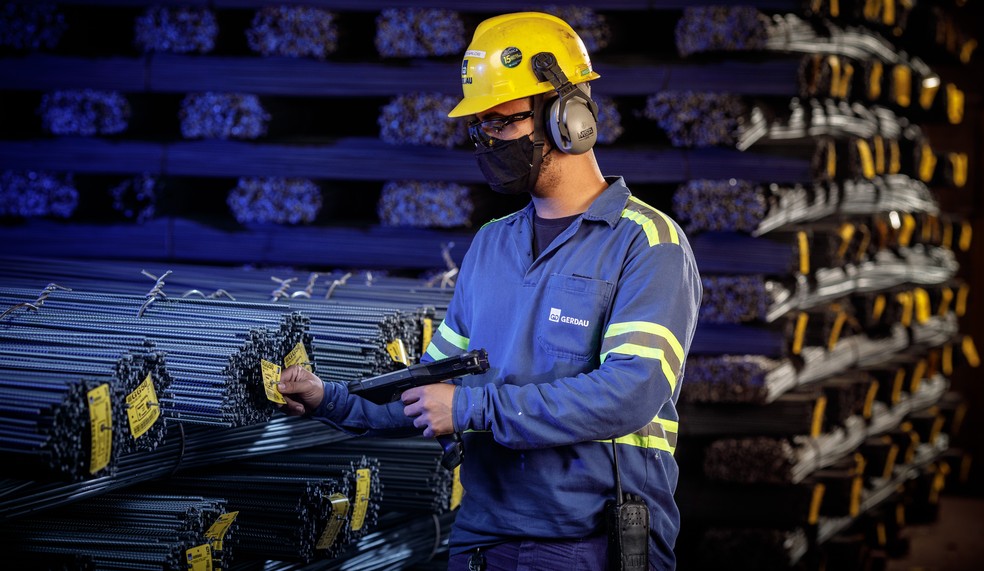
pixel 606 208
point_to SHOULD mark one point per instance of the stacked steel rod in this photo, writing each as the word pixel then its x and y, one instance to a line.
pixel 122 531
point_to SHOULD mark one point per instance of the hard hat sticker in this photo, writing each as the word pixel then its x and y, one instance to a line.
pixel 464 67
pixel 480 54
pixel 511 57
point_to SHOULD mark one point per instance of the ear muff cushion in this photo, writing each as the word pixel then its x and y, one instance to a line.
pixel 581 125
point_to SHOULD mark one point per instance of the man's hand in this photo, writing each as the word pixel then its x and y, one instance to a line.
pixel 430 408
pixel 302 390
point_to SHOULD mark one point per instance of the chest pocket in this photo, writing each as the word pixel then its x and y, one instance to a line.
pixel 569 321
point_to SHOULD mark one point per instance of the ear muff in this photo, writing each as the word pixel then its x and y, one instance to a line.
pixel 572 121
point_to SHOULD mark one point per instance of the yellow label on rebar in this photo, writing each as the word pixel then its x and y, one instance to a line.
pixel 336 520
pixel 954 104
pixel 959 163
pixel 924 308
pixel 271 376
pixel 428 333
pixel 869 399
pixel 899 381
pixel 834 8
pixel 143 408
pixel 888 13
pixel 902 82
pixel 819 407
pixel 857 486
pixel 846 233
pixel 835 329
pixel 875 80
pixel 804 252
pixel 799 333
pixel 879 149
pixel 457 491
pixel 927 162
pixel 907 229
pixel 966 235
pixel 298 356
pixel 398 351
pixel 947 359
pixel 970 351
pixel 878 308
pixel 216 532
pixel 101 427
pixel 890 458
pixel 867 160
pixel 967 50
pixel 927 93
pixel 831 159
pixel 894 157
pixel 815 502
pixel 905 300
pixel 947 241
pixel 199 558
pixel 363 481
pixel 918 373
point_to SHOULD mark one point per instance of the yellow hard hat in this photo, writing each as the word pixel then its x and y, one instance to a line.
pixel 497 64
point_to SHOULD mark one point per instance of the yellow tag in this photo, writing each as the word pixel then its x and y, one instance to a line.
pixel 947 241
pixel 867 161
pixel 219 528
pixel 815 502
pixel 934 432
pixel 927 162
pixel 888 13
pixel 962 293
pixel 800 332
pixel 864 242
pixel 857 485
pixel 199 558
pixel 835 8
pixel 845 81
pixel 879 307
pixel 905 300
pixel 970 351
pixel 893 454
pixel 902 78
pixel 869 399
pixel 928 223
pixel 298 356
pixel 900 514
pixel 894 157
pixel 398 351
pixel 958 165
pixel 927 93
pixel 967 50
pixel 457 491
pixel 835 330
pixel 101 427
pixel 879 154
pixel 143 409
pixel 948 359
pixel 871 10
pixel 923 305
pixel 897 385
pixel 818 409
pixel 428 333
pixel 831 159
pixel 271 376
pixel 880 533
pixel 362 482
pixel 835 75
pixel 875 80
pixel 804 252
pixel 918 372
pixel 339 511
pixel 966 234
pixel 907 229
pixel 846 232
pixel 954 104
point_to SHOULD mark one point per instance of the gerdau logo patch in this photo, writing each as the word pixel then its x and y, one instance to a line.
pixel 557 317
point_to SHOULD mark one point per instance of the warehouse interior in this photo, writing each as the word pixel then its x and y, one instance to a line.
pixel 194 193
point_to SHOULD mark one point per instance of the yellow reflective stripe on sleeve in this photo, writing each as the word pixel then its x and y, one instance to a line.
pixel 659 434
pixel 649 353
pixel 650 441
pixel 436 353
pixel 459 341
pixel 658 226
pixel 656 329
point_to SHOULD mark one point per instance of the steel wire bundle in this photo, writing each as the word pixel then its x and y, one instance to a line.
pixel 31 26
pixel 135 198
pixel 419 32
pixel 213 115
pixel 176 30
pixel 354 475
pixel 293 31
pixel 609 119
pixel 720 28
pixel 425 204
pixel 410 472
pixel 275 199
pixel 185 448
pixel 421 118
pixel 84 112
pixel 121 531
pixel 32 193
pixel 735 299
pixel 696 119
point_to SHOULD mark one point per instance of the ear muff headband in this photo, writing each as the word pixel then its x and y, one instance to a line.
pixel 573 116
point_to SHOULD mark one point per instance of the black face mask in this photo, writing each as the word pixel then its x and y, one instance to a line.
pixel 510 167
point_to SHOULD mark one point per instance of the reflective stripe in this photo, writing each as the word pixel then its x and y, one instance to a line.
pixel 658 434
pixel 657 226
pixel 434 352
pixel 453 338
pixel 649 340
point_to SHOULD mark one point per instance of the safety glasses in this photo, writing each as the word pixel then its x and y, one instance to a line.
pixel 486 133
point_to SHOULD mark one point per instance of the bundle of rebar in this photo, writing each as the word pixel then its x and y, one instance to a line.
pixel 185 448
pixel 123 531
pixel 410 472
